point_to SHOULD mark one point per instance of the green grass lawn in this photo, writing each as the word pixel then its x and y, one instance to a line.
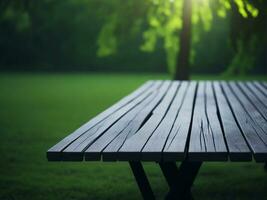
pixel 37 110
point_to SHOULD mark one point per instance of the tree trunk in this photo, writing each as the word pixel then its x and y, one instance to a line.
pixel 182 66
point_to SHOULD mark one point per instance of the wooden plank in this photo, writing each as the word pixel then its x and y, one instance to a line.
pixel 122 126
pixel 252 112
pixel 250 129
pixel 237 146
pixel 258 94
pixel 152 151
pixel 131 149
pixel 206 139
pixel 54 152
pixel 154 124
pixel 175 147
pixel 109 153
pixel 74 150
pixel 262 109
pixel 261 88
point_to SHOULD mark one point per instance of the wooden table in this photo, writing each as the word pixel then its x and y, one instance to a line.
pixel 169 121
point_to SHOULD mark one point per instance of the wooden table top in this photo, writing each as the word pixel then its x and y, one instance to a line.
pixel 173 121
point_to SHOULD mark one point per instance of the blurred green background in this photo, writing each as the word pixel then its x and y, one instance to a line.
pixel 140 36
pixel 64 61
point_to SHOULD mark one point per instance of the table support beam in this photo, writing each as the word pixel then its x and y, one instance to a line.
pixel 180 180
pixel 141 180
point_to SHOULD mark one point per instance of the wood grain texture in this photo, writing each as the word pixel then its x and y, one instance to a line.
pixel 250 128
pixel 175 120
pixel 75 150
pixel 114 138
pixel 252 111
pixel 261 108
pixel 152 151
pixel 257 93
pixel 206 139
pixel 55 152
pixel 131 149
pixel 175 147
pixel 237 146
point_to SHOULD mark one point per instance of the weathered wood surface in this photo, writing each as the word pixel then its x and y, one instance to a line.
pixel 206 140
pixel 173 121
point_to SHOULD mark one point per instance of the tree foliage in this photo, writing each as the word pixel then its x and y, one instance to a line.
pixel 116 34
pixel 163 23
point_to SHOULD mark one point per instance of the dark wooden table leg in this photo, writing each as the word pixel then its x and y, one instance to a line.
pixel 180 180
pixel 265 166
pixel 141 180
